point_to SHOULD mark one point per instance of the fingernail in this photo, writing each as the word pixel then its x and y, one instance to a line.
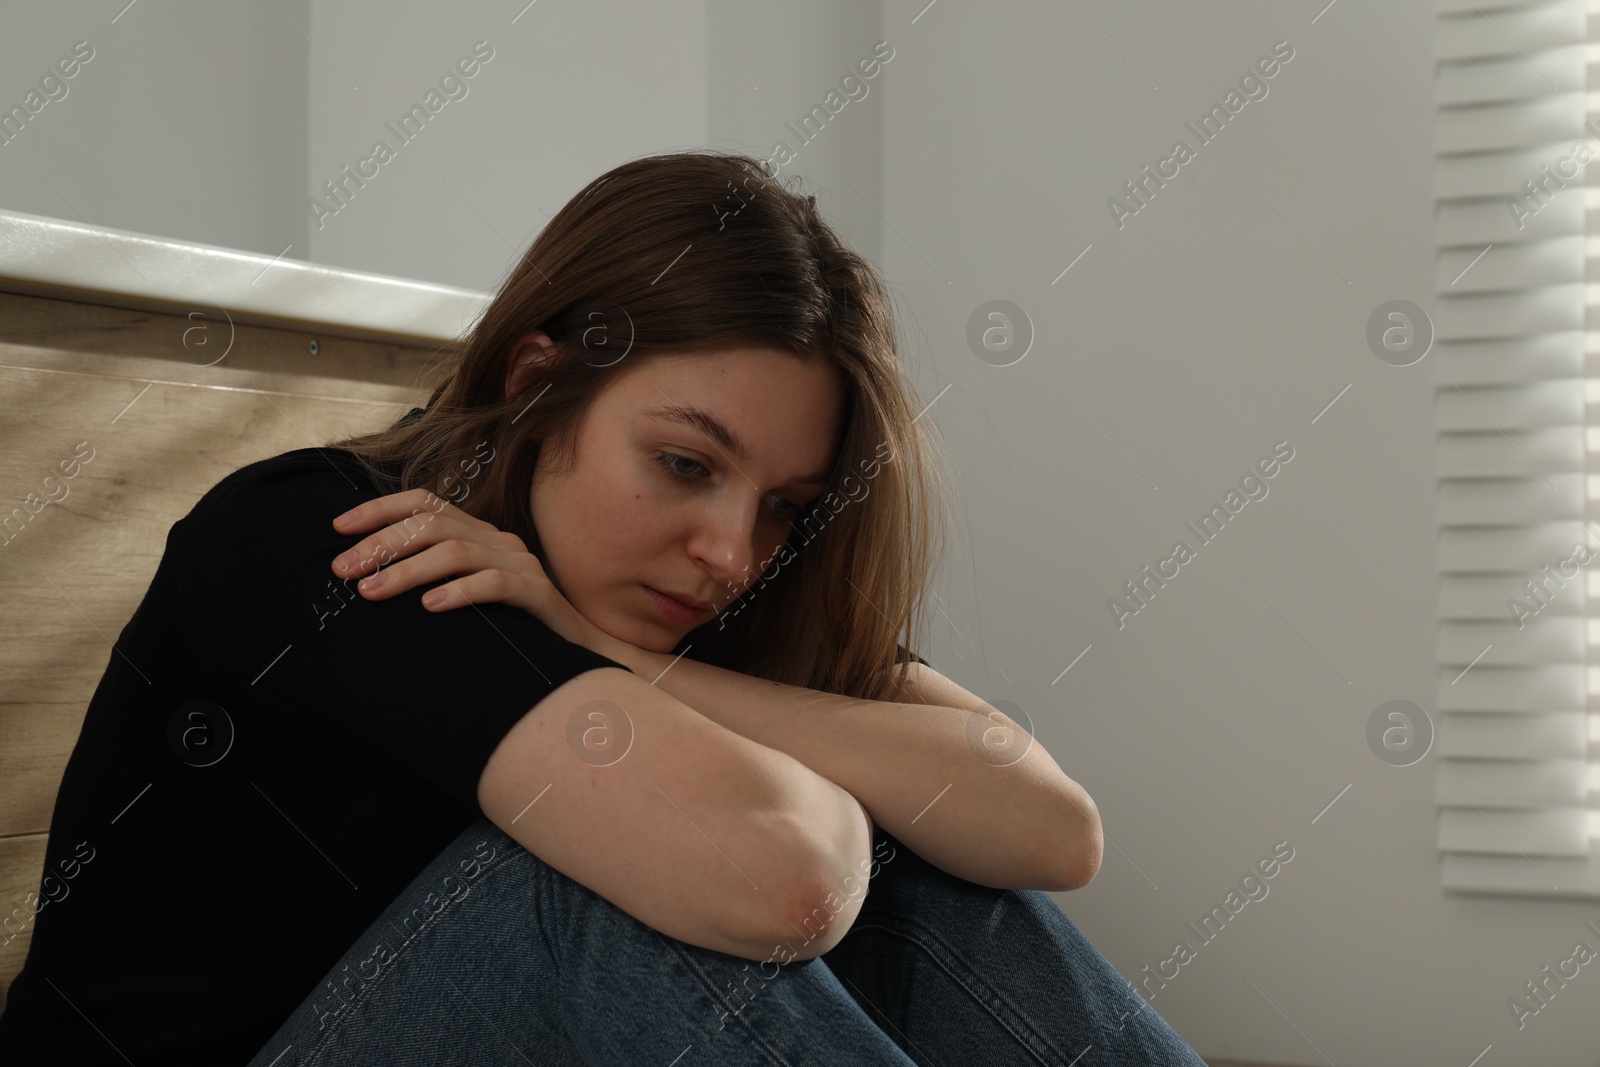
pixel 375 582
pixel 434 598
pixel 346 561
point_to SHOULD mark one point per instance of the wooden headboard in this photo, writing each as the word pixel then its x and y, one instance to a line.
pixel 114 422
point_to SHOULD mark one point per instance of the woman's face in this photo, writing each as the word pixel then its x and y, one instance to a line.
pixel 691 506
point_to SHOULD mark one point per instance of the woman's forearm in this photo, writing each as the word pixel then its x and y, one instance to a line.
pixel 921 771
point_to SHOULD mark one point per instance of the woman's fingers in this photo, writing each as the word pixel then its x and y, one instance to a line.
pixel 443 560
pixel 399 519
pixel 489 573
pixel 380 511
pixel 481 587
pixel 418 538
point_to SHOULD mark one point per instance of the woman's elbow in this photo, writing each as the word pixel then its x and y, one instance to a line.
pixel 1086 845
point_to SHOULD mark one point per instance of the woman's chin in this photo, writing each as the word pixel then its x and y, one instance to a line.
pixel 651 638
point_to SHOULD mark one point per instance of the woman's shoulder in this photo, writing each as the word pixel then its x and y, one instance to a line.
pixel 299 471
pixel 282 493
pixel 302 470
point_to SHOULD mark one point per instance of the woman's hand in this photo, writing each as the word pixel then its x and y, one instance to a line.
pixel 423 538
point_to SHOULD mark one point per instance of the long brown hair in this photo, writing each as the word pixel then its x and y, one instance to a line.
pixel 665 255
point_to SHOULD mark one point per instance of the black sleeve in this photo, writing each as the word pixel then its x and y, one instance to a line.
pixel 264 613
pixel 900 655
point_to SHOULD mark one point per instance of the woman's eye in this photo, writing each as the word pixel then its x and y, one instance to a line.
pixel 669 462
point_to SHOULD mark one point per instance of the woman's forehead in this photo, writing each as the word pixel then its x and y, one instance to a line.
pixel 734 411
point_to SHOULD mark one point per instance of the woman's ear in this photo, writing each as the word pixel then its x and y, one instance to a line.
pixel 529 355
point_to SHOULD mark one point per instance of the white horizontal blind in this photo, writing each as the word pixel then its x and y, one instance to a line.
pixel 1514 414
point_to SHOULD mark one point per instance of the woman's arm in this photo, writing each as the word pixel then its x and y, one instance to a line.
pixel 944 778
pixel 695 831
pixel 927 773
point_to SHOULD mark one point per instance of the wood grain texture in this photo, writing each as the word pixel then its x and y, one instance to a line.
pixel 132 390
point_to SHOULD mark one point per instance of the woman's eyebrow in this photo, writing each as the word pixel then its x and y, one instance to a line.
pixel 718 431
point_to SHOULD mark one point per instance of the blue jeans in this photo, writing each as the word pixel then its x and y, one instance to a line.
pixel 491 956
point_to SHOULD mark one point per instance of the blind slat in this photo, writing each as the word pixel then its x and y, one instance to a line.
pixel 1497 735
pixel 1510 77
pixel 1515 360
pixel 1491 501
pixel 1516 833
pixel 1534 406
pixel 1499 783
pixel 1516 266
pixel 1549 639
pixel 1530 689
pixel 1484 596
pixel 1559 450
pixel 1515 549
pixel 1469 872
pixel 1464 34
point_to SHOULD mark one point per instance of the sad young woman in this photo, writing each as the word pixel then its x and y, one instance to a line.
pixel 584 684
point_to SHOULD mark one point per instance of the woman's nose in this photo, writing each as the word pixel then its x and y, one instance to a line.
pixel 728 543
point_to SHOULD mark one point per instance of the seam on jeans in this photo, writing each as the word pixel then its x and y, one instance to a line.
pixel 904 1008
pixel 352 1007
pixel 943 955
pixel 716 998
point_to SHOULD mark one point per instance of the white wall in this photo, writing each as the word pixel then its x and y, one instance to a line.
pixel 771 65
pixel 1222 318
pixel 189 120
pixel 567 95
pixel 572 90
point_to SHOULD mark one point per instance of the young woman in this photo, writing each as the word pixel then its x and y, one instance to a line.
pixel 565 720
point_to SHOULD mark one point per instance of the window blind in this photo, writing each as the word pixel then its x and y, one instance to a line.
pixel 1517 780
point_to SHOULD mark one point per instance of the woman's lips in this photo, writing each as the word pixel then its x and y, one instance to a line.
pixel 676 610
